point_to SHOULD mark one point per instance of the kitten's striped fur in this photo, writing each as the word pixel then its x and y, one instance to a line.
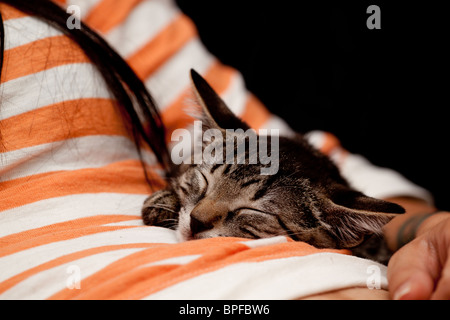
pixel 307 199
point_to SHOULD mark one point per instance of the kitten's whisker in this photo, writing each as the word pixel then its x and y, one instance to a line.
pixel 287 233
pixel 282 179
pixel 167 208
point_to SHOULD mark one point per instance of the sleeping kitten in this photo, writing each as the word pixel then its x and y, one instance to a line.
pixel 306 199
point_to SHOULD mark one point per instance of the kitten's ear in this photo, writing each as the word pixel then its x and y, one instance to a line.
pixel 215 111
pixel 351 215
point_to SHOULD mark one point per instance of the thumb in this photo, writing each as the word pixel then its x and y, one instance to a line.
pixel 413 270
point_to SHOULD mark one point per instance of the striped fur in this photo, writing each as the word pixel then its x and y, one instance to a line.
pixel 307 199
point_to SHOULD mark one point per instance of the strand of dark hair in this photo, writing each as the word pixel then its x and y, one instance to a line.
pixel 125 85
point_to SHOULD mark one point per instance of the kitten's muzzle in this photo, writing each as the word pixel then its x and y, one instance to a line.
pixel 198 226
pixel 206 216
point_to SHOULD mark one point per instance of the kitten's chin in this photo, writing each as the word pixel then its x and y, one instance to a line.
pixel 182 235
pixel 185 234
pixel 183 231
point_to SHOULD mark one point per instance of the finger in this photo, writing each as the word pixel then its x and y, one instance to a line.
pixel 413 271
pixel 442 291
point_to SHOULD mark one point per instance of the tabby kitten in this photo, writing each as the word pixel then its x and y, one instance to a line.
pixel 306 199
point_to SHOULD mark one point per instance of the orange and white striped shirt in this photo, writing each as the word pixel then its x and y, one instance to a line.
pixel 72 185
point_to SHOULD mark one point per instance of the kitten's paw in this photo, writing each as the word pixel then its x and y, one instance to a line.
pixel 161 209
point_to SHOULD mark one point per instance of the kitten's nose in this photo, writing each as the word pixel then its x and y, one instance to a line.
pixel 206 215
pixel 198 226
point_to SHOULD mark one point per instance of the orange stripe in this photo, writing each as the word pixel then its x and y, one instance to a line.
pixel 108 14
pixel 255 113
pixel 61 2
pixel 9 12
pixel 169 41
pixel 41 55
pixel 41 176
pixel 329 144
pixel 219 77
pixel 61 121
pixel 103 285
pixel 60 232
pixel 213 262
pixel 120 177
pixel 127 279
pixel 124 289
pixel 7 284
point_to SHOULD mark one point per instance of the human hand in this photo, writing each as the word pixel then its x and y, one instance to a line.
pixel 421 269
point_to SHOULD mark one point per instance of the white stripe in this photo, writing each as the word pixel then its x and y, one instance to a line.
pixel 265 242
pixel 19 262
pixel 173 261
pixel 172 79
pixel 25 30
pixel 276 122
pixel 145 22
pixel 316 138
pixel 129 223
pixel 56 210
pixel 379 182
pixel 22 31
pixel 49 282
pixel 70 154
pixel 236 95
pixel 286 278
pixel 64 83
pixel 85 5
pixel 374 181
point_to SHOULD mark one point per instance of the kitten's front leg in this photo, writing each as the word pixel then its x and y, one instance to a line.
pixel 161 209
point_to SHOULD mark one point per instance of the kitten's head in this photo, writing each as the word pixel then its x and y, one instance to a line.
pixel 305 198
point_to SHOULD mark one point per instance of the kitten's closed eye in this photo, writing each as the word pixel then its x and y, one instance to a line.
pixel 192 184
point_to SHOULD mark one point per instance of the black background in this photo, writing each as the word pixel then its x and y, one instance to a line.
pixel 384 92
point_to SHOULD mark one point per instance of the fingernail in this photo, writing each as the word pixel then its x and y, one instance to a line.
pixel 402 291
